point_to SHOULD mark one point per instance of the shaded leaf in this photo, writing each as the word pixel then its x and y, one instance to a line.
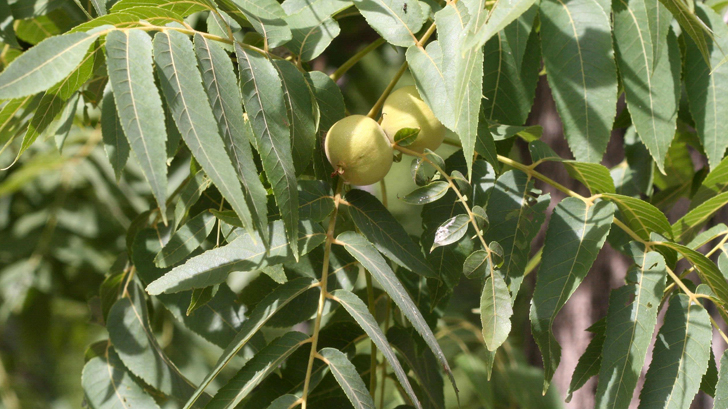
pixel 397 21
pixel 427 194
pixel 495 311
pixel 422 363
pixel 484 25
pixel 115 142
pixel 348 377
pixel 591 361
pixel 721 388
pixel 185 240
pixel 640 216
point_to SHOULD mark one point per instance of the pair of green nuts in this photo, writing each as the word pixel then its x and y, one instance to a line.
pixel 360 149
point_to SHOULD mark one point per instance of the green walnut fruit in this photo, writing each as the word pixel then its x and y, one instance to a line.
pixel 359 150
pixel 405 109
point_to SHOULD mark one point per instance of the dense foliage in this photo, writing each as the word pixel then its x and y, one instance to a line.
pixel 165 170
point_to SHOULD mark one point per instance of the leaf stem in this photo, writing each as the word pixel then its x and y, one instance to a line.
pixel 323 292
pixel 380 102
pixel 373 354
pixel 355 59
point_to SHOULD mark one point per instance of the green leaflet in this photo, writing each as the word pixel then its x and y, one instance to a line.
pixel 689 225
pixel 690 24
pixel 183 8
pixel 134 342
pixel 368 256
pixel 256 369
pixel 312 32
pixel 422 363
pixel 574 237
pixel 7 32
pixel 129 60
pixel 44 65
pixel 302 113
pixel 425 64
pixel 451 231
pixel 260 315
pixel 591 361
pixel 579 60
pixel 115 142
pixel 182 88
pixel 332 108
pixel 358 310
pixel 680 358
pixel 104 373
pixel 495 310
pixel 633 176
pixel 263 97
pixel 652 85
pixel 383 230
pixel 659 19
pixel 708 104
pixel 186 240
pixel 631 320
pixel 245 253
pixel 594 176
pixel 482 28
pixel 283 402
pixel 220 83
pixel 721 388
pixel 348 378
pixel 397 21
pixel 640 216
pixel 511 62
pixel 266 17
pixel 515 218
pixel 714 184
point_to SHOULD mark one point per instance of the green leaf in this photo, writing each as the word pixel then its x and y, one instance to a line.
pixel 383 230
pixel 263 97
pixel 7 32
pixel 484 144
pixel 284 402
pixel 714 184
pixel 640 216
pixel 689 225
pixel 579 60
pixel 575 234
pixel 182 88
pixel 594 176
pixel 186 240
pixel 511 71
pixel 358 310
pixel 427 194
pixel 266 17
pixel 44 65
pixel 451 231
pixel 680 357
pixel 590 362
pixel 134 342
pixel 316 200
pixel 631 320
pixel 477 374
pixel 129 60
pixel 483 27
pixel 302 113
pixel 200 298
pixel 257 369
pixel 189 194
pixel 311 31
pixel 368 256
pixel 406 136
pixel 516 214
pixel 245 253
pixel 652 85
pixel 332 109
pixel 423 364
pixel 183 8
pixel 426 66
pixel 348 378
pixel 708 104
pixel 690 24
pixel 260 315
pixel 104 374
pixel 721 388
pixel 220 83
pixel 397 21
pixel 495 310
pixel 115 142
pixel 633 176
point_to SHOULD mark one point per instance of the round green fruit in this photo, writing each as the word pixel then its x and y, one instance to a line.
pixel 405 109
pixel 359 150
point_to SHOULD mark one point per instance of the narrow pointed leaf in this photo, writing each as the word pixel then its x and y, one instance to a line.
pixel 134 342
pixel 383 230
pixel 263 98
pixel 495 311
pixel 591 361
pixel 220 83
pixel 680 357
pixel 432 84
pixel 451 231
pixel 257 369
pixel 640 216
pixel 370 258
pixel 115 142
pixel 427 194
pixel 714 184
pixel 652 85
pixel 485 25
pixel 266 16
pixel 311 31
pixel 265 309
pixel 44 65
pixel 397 21
pixel 689 225
pixel 348 378
pixel 185 240
pixel 182 87
pixel 129 60
pixel 581 72
pixel 721 388
pixel 104 374
pixel 631 320
pixel 690 24
pixel 575 235
pixel 183 8
pixel 284 402
pixel 359 311
pixel 245 253
pixel 422 363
